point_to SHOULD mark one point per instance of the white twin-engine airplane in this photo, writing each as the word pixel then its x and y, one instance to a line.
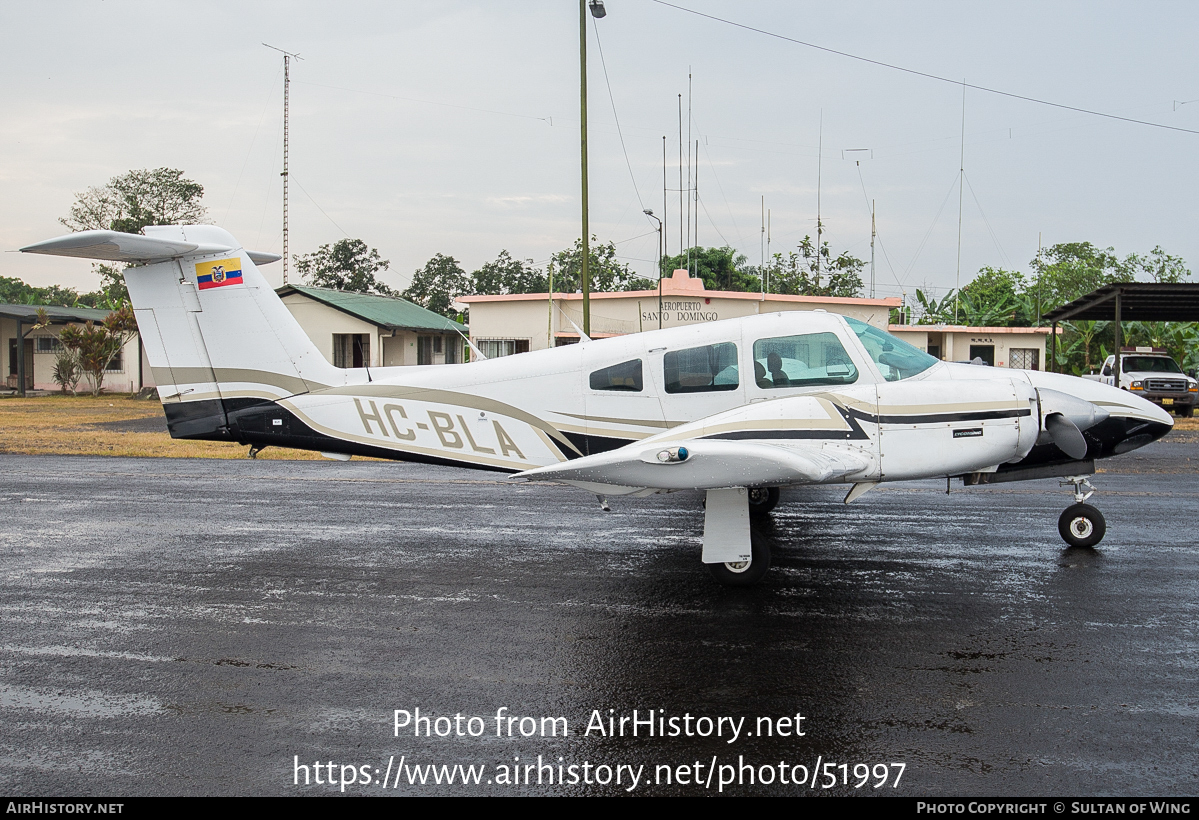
pixel 736 408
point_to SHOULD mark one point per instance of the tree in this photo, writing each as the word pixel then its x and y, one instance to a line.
pixel 796 274
pixel 97 345
pixel 1069 270
pixel 133 200
pixel 720 268
pixel 507 275
pixel 347 264
pixel 1158 266
pixel 996 294
pixel 128 203
pixel 436 285
pixel 606 273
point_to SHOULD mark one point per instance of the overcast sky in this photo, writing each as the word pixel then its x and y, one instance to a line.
pixel 453 127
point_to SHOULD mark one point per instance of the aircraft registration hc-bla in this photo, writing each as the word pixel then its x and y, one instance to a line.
pixel 736 408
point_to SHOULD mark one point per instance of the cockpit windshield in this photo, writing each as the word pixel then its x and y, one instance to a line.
pixel 895 358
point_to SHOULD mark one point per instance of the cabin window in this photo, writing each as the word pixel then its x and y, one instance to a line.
pixel 799 361
pixel 701 369
pixel 895 358
pixel 623 376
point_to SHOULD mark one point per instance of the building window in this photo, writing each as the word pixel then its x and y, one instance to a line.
pixel 351 350
pixel 48 344
pixel 116 364
pixel 701 369
pixel 497 348
pixel 1024 358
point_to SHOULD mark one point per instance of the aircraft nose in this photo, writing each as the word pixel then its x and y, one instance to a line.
pixel 1149 424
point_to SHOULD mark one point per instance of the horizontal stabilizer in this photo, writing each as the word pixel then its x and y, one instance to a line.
pixel 115 246
pixel 701 464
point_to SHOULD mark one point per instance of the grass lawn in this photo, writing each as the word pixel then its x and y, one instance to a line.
pixel 83 426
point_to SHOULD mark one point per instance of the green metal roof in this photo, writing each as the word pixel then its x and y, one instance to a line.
pixel 58 315
pixel 388 312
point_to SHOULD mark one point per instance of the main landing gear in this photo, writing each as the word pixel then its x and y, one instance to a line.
pixel 762 500
pixel 733 555
pixel 744 573
pixel 1081 525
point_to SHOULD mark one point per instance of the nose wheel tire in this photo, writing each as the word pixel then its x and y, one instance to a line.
pixel 744 573
pixel 1081 525
pixel 762 500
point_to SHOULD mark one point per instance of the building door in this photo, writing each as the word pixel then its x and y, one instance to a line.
pixel 13 363
pixel 984 352
pixel 424 350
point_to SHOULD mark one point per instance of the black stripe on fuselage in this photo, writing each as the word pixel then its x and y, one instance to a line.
pixel 941 418
pixel 249 421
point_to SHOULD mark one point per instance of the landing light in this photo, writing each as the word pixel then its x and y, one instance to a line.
pixel 668 456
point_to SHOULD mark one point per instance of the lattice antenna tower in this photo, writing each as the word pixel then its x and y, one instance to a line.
pixel 287 57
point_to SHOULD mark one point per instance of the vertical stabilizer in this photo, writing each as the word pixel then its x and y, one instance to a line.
pixel 217 337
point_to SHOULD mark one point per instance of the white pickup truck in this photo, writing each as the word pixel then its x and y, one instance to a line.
pixel 1152 373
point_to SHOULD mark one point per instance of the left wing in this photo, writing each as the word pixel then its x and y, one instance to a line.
pixel 702 464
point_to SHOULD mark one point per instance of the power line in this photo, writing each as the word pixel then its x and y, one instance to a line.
pixel 882 247
pixel 250 150
pixel 936 218
pixel 987 222
pixel 615 116
pixel 322 210
pixel 924 74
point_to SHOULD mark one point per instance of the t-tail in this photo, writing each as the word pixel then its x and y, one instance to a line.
pixel 218 339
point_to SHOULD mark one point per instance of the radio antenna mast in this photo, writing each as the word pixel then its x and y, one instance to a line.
pixel 287 55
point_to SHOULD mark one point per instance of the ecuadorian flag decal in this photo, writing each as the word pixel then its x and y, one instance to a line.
pixel 218 273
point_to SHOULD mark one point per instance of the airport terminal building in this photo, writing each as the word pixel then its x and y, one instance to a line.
pixel 518 323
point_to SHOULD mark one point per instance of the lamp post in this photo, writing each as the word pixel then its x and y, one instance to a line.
pixel 649 212
pixel 597 11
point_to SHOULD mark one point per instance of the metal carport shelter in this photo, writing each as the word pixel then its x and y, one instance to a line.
pixel 1128 302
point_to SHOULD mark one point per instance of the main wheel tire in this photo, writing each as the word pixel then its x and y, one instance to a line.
pixel 744 573
pixel 762 500
pixel 1081 525
pixel 1185 412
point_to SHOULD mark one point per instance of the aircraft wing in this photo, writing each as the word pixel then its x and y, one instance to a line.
pixel 702 464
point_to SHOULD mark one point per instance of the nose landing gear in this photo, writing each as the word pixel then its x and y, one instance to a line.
pixel 1080 524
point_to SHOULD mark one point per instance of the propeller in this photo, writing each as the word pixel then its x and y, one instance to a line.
pixel 1066 435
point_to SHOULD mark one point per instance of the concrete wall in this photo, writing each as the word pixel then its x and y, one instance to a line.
pixel 955 341
pixel 321 322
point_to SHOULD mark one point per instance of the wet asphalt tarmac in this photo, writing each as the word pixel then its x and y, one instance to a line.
pixel 192 627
